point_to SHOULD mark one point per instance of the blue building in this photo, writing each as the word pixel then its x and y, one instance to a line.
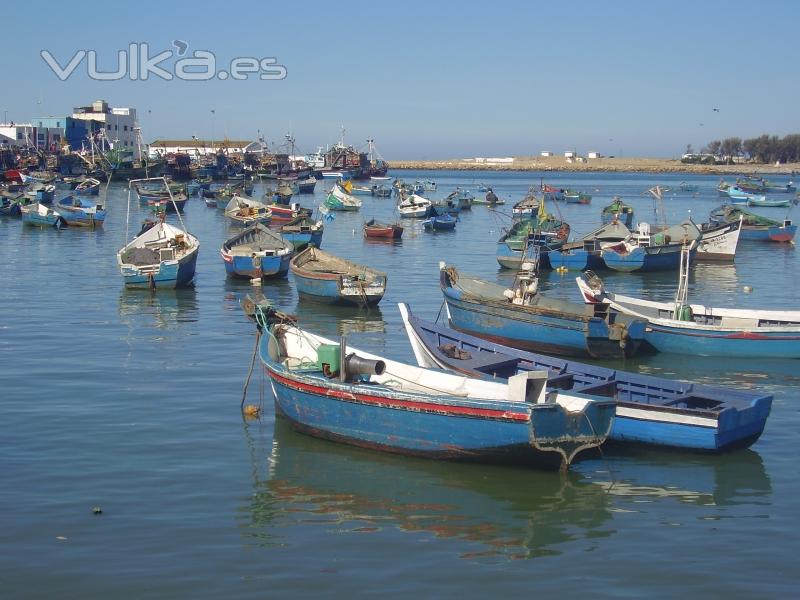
pixel 76 132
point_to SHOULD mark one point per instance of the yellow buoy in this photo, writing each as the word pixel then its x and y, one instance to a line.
pixel 252 411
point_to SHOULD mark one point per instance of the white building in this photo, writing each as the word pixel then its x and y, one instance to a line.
pixel 570 154
pixel 595 155
pixel 545 153
pixel 120 129
pixel 197 147
pixel 29 135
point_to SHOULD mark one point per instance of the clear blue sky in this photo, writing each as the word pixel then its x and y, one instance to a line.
pixel 433 79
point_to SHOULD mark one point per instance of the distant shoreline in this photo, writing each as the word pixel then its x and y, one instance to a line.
pixel 597 165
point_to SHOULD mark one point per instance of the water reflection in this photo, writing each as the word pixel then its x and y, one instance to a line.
pixel 163 309
pixel 278 291
pixel 509 512
pixel 642 475
pixel 343 320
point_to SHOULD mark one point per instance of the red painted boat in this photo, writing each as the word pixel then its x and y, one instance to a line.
pixel 281 212
pixel 13 175
pixel 375 230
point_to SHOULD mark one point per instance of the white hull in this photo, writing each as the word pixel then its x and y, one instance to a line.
pixel 719 243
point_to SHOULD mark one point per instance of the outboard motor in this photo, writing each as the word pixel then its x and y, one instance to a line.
pixel 352 365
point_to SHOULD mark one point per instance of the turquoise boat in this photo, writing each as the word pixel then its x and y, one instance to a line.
pixel 81 212
pixel 39 215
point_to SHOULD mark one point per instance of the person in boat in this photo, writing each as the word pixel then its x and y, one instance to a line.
pixel 491 197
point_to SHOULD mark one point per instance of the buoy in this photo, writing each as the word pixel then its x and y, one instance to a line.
pixel 252 411
pixel 747 289
pixel 97 510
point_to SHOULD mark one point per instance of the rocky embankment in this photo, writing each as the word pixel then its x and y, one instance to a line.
pixel 557 163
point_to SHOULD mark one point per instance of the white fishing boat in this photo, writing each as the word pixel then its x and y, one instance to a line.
pixel 415 207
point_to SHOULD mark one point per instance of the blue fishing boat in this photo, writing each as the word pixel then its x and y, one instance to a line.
pixel 737 195
pixel 586 253
pixel 333 391
pixel 41 192
pixel 551 193
pixel 160 256
pixel 755 227
pixel 10 204
pixel 193 187
pixel 257 253
pixel 645 251
pixel 439 221
pixel 531 236
pixel 303 231
pixel 650 410
pixel 523 318
pixel 576 197
pixel 81 212
pixel 617 211
pixel 306 186
pixel 39 215
pixel 167 203
pixel 89 186
pixel 327 278
pixel 381 191
pixel 697 330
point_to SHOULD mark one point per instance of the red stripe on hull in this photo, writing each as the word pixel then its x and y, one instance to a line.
pixel 447 410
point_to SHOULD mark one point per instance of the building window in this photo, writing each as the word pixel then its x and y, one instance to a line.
pixel 58 123
pixel 125 127
pixel 56 137
pixel 19 135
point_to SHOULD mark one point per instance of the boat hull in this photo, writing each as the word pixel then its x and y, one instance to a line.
pixel 249 267
pixel 645 259
pixel 171 274
pixel 302 239
pixel 446 429
pixel 327 289
pixel 545 331
pixel 650 410
pixel 769 234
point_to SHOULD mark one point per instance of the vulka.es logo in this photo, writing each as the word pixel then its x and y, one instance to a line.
pixel 137 64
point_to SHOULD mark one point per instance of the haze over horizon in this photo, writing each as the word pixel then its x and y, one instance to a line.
pixel 427 81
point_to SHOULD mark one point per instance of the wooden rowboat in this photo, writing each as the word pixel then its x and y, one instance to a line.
pixel 327 278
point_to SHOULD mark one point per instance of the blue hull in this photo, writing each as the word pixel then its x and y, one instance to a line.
pixel 476 430
pixel 271 266
pixel 575 260
pixel 172 275
pixel 327 291
pixel 723 343
pixel 544 331
pixel 36 220
pixel 652 258
pixel 650 410
pixel 768 234
pixel 626 219
pixel 302 239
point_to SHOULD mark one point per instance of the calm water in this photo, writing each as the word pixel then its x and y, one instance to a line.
pixel 130 402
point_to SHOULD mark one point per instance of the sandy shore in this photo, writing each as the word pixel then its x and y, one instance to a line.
pixel 558 163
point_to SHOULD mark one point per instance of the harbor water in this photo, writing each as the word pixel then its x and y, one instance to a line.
pixel 129 402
